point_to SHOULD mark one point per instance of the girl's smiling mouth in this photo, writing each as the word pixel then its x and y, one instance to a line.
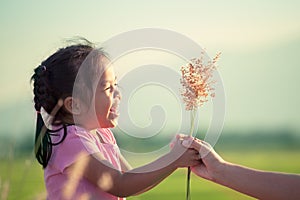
pixel 114 110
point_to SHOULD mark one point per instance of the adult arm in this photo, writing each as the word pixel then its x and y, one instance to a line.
pixel 253 182
pixel 259 184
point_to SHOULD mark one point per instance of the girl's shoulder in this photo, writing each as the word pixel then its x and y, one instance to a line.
pixel 65 133
pixel 77 132
pixel 76 143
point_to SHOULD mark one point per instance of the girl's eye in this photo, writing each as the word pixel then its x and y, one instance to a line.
pixel 107 88
pixel 111 87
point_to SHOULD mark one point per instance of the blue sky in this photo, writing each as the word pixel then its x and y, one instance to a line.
pixel 259 41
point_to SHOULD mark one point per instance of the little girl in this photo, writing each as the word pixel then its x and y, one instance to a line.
pixel 74 144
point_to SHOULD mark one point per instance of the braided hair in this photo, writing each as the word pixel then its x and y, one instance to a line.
pixel 53 81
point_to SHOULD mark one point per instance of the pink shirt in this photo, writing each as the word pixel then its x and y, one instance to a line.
pixel 78 142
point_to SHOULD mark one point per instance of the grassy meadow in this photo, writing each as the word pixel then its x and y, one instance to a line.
pixel 22 177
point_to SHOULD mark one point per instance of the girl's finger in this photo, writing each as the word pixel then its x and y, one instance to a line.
pixel 183 136
pixel 191 143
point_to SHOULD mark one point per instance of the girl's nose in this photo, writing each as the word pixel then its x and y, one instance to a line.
pixel 117 94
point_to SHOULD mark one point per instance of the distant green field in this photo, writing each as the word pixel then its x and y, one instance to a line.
pixel 22 178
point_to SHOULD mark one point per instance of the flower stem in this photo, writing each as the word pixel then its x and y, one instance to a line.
pixel 188 185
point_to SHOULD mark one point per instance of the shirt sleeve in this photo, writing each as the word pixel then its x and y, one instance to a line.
pixel 77 143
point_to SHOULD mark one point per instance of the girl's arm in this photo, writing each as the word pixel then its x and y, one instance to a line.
pixel 255 183
pixel 125 166
pixel 122 184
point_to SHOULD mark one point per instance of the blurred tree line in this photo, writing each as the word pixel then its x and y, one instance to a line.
pixel 229 140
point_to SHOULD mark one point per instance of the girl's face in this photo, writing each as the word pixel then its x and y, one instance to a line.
pixel 107 99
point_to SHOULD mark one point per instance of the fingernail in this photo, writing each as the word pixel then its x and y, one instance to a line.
pixel 186 143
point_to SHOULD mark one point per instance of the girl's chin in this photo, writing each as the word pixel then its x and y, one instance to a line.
pixel 114 123
pixel 111 123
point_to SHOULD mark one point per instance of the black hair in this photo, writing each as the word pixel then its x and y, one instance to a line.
pixel 53 81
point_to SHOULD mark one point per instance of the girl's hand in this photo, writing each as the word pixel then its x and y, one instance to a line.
pixel 211 164
pixel 184 157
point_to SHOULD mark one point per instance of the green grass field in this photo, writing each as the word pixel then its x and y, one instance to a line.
pixel 22 178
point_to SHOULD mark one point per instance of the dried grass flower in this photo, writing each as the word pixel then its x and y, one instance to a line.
pixel 197 81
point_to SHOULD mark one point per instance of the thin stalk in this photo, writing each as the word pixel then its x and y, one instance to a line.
pixel 188 185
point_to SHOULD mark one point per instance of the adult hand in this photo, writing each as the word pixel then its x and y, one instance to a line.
pixel 211 164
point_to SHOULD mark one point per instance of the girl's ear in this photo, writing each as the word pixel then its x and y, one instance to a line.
pixel 72 105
